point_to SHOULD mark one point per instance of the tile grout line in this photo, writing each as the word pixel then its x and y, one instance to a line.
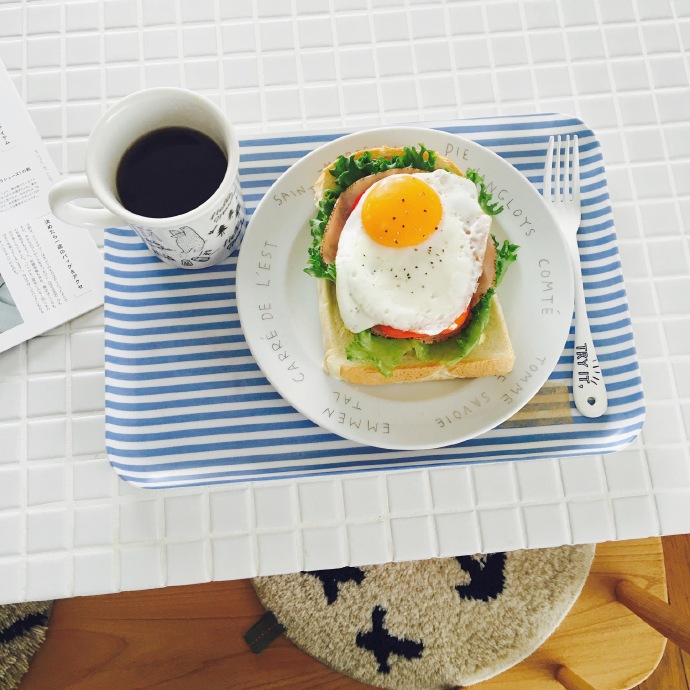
pixel 430 514
pixel 180 43
pixel 564 500
pixel 338 72
pixel 492 62
pixel 140 43
pixel 297 527
pixel 409 115
pixel 524 532
pixel 116 574
pixel 382 483
pixel 569 60
pixel 341 521
pixel 415 72
pixel 114 504
pixel 24 479
pixel 25 51
pixel 294 16
pixel 261 85
pixel 70 458
pixel 207 534
pixel 101 55
pixel 162 538
pixel 69 455
pixel 220 57
pixel 530 56
pixel 252 532
pixel 474 508
pixel 454 67
pixel 396 43
pixel 429 3
pixel 63 92
pixel 608 498
pixel 377 68
pixel 685 57
pixel 23 572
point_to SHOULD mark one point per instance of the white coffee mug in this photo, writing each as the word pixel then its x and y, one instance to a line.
pixel 199 238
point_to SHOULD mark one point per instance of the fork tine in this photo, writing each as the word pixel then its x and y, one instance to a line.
pixel 557 187
pixel 576 169
pixel 548 170
pixel 566 170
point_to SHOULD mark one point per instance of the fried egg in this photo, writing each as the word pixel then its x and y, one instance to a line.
pixel 410 254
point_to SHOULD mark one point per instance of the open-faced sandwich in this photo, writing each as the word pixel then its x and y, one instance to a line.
pixel 408 269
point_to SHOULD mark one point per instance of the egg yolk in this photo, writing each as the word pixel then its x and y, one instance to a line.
pixel 401 211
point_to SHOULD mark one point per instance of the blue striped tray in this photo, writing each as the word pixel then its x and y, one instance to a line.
pixel 187 404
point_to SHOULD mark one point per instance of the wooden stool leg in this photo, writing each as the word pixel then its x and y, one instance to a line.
pixel 571 681
pixel 661 616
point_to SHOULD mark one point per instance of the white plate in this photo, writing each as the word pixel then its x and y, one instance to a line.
pixel 279 314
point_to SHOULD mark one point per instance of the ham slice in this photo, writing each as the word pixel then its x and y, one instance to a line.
pixel 488 276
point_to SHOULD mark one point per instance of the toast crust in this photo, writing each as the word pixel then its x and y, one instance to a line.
pixel 492 356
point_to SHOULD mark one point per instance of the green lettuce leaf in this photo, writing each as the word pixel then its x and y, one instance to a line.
pixel 384 353
pixel 505 255
pixel 485 197
pixel 316 266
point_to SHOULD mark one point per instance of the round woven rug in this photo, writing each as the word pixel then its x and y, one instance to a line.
pixel 23 629
pixel 433 624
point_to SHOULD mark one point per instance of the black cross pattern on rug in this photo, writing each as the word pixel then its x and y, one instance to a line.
pixel 487 578
pixel 332 579
pixel 379 641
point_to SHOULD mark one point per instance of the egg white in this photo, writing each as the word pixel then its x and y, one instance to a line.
pixel 422 288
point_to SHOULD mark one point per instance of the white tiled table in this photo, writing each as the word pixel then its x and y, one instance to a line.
pixel 69 527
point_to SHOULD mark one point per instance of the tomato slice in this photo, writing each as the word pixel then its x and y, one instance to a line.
pixel 458 322
pixel 354 205
pixel 391 332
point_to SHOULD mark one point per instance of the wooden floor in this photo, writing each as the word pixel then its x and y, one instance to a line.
pixel 190 637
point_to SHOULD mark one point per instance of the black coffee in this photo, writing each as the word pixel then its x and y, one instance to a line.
pixel 170 171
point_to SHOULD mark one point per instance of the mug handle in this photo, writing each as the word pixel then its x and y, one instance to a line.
pixel 61 199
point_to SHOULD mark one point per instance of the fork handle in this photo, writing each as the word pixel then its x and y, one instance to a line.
pixel 589 389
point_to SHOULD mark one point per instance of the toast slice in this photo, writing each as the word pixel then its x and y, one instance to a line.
pixel 493 355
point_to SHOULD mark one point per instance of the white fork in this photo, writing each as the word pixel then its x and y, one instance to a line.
pixel 562 193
